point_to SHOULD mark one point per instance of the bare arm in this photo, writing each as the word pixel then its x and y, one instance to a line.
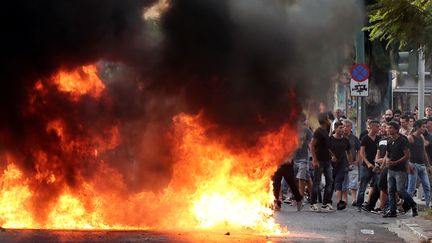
pixel 357 158
pixel 426 158
pixel 313 152
pixel 377 158
pixel 425 142
pixel 363 156
pixel 349 156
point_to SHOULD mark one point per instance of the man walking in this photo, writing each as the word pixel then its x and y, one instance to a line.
pixel 368 150
pixel 301 156
pixel 419 161
pixel 397 157
pixel 353 177
pixel 341 158
pixel 321 163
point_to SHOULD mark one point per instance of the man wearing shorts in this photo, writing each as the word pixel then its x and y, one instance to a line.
pixel 301 157
pixel 341 158
pixel 351 182
pixel 383 168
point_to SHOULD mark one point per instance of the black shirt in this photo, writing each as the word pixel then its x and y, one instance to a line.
pixel 396 148
pixel 371 147
pixel 339 147
pixel 363 134
pixel 417 154
pixel 322 144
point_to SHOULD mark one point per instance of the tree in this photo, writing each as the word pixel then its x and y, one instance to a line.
pixel 407 23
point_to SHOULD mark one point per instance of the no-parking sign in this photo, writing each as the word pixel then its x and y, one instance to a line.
pixel 359 84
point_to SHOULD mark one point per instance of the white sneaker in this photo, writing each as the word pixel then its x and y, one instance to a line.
pixel 327 206
pixel 314 207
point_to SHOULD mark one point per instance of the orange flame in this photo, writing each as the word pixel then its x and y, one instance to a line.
pixel 212 186
pixel 81 81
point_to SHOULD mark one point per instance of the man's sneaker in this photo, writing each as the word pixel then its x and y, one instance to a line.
pixel 354 203
pixel 341 205
pixel 338 205
pixel 288 201
pixel 314 207
pixel 377 211
pixel 400 202
pixel 327 206
pixel 299 205
pixel 390 215
pixel 366 208
pixel 414 211
pixel 401 211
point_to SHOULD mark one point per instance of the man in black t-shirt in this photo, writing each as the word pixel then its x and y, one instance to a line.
pixel 368 150
pixel 341 157
pixel 321 163
pixel 397 158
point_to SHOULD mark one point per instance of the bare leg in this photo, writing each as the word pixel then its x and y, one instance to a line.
pixel 354 195
pixel 371 191
pixel 345 196
pixel 338 196
pixel 383 198
pixel 301 186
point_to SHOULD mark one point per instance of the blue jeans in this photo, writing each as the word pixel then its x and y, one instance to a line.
pixel 397 181
pixel 366 175
pixel 326 169
pixel 420 171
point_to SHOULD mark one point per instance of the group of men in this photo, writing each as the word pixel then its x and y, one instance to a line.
pixel 387 158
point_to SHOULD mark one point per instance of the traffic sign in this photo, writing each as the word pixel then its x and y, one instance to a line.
pixel 359 88
pixel 360 72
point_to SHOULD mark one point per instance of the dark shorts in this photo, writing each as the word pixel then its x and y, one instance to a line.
pixel 341 175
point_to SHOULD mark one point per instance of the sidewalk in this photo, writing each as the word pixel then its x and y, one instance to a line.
pixel 420 227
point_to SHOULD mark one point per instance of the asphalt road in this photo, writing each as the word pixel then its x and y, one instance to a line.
pixel 348 225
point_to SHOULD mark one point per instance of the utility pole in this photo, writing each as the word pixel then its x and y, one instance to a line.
pixel 421 82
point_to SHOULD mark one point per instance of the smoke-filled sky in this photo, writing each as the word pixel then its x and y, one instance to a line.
pixel 247 65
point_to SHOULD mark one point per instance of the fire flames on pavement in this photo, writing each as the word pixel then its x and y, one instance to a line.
pixel 212 187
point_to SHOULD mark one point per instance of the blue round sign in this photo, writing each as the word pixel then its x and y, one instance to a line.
pixel 360 72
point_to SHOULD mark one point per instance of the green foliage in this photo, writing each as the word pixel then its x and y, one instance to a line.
pixel 407 23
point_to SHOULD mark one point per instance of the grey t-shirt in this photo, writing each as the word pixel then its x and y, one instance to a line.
pixel 354 144
pixel 303 150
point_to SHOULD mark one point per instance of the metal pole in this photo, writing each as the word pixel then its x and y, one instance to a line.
pixel 360 58
pixel 421 83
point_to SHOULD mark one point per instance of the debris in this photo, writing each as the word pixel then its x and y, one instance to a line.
pixel 227 233
pixel 367 231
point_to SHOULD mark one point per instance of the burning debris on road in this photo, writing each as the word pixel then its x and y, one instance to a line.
pixel 112 121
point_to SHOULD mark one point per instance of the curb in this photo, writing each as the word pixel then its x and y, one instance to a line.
pixel 416 229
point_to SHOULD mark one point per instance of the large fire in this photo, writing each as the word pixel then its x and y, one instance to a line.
pixel 212 187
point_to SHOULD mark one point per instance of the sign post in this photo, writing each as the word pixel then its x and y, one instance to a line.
pixel 359 85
